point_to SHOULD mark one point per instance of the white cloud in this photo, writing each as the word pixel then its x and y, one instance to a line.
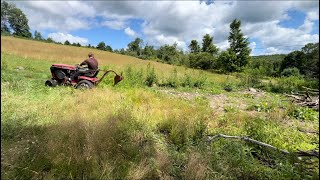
pixel 63 16
pixel 284 39
pixel 61 37
pixel 313 15
pixel 166 22
pixel 252 46
pixel 130 32
pixel 114 24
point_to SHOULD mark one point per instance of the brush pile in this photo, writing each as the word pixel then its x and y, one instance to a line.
pixel 307 98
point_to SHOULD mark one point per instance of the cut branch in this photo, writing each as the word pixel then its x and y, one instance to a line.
pixel 244 138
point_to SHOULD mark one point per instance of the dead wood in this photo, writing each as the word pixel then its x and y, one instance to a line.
pixel 305 99
pixel 244 138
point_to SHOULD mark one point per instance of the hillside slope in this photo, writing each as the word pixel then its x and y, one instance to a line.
pixel 59 53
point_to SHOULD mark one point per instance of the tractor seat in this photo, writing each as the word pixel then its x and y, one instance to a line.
pixel 92 74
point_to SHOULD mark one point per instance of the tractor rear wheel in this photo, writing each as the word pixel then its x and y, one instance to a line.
pixel 84 84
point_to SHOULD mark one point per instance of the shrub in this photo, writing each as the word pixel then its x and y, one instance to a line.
pixel 201 81
pixel 250 78
pixel 303 113
pixel 290 72
pixel 187 81
pixel 173 81
pixel 151 76
pixel 133 76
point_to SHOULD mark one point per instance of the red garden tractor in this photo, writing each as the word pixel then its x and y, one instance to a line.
pixel 61 73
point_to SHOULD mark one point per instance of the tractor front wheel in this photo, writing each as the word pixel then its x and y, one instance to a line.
pixel 84 84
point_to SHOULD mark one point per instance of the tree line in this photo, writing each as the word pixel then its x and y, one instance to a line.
pixel 201 55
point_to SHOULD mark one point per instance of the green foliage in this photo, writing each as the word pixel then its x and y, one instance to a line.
pixel 202 61
pixel 305 114
pixel 239 46
pixel 13 17
pixel 227 61
pixel 187 81
pixel 108 48
pixel 290 72
pixel 250 78
pixel 262 107
pixel 134 77
pixel 148 52
pixel 201 80
pixel 311 51
pixel 286 84
pixel 135 47
pixel 208 46
pixel 268 65
pixel 293 59
pixel 229 85
pixel 5 12
pixel 151 77
pixel 305 60
pixel 50 40
pixel 168 54
pixel 38 36
pixel 172 80
pixel 194 46
pixel 101 46
pixel 67 42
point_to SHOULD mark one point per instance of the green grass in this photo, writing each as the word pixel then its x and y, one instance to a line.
pixel 133 131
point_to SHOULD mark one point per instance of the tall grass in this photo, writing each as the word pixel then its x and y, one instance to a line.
pixel 132 131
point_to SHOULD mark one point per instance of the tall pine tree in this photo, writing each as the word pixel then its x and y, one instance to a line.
pixel 208 46
pixel 239 45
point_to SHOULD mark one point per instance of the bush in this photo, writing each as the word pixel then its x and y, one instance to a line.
pixel 201 81
pixel 151 76
pixel 187 81
pixel 173 81
pixel 133 76
pixel 202 61
pixel 290 72
pixel 250 78
pixel 305 114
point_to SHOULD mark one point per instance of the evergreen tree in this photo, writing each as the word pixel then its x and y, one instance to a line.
pixel 239 45
pixel 208 46
pixel 194 47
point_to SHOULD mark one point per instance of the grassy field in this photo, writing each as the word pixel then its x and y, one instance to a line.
pixel 136 131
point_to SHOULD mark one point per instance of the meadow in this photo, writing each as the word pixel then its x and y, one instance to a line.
pixel 152 125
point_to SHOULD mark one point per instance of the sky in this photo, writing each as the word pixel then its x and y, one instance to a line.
pixel 273 27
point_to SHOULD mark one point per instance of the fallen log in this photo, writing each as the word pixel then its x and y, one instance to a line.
pixel 244 138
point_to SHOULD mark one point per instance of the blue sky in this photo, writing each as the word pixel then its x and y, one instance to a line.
pixel 272 27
